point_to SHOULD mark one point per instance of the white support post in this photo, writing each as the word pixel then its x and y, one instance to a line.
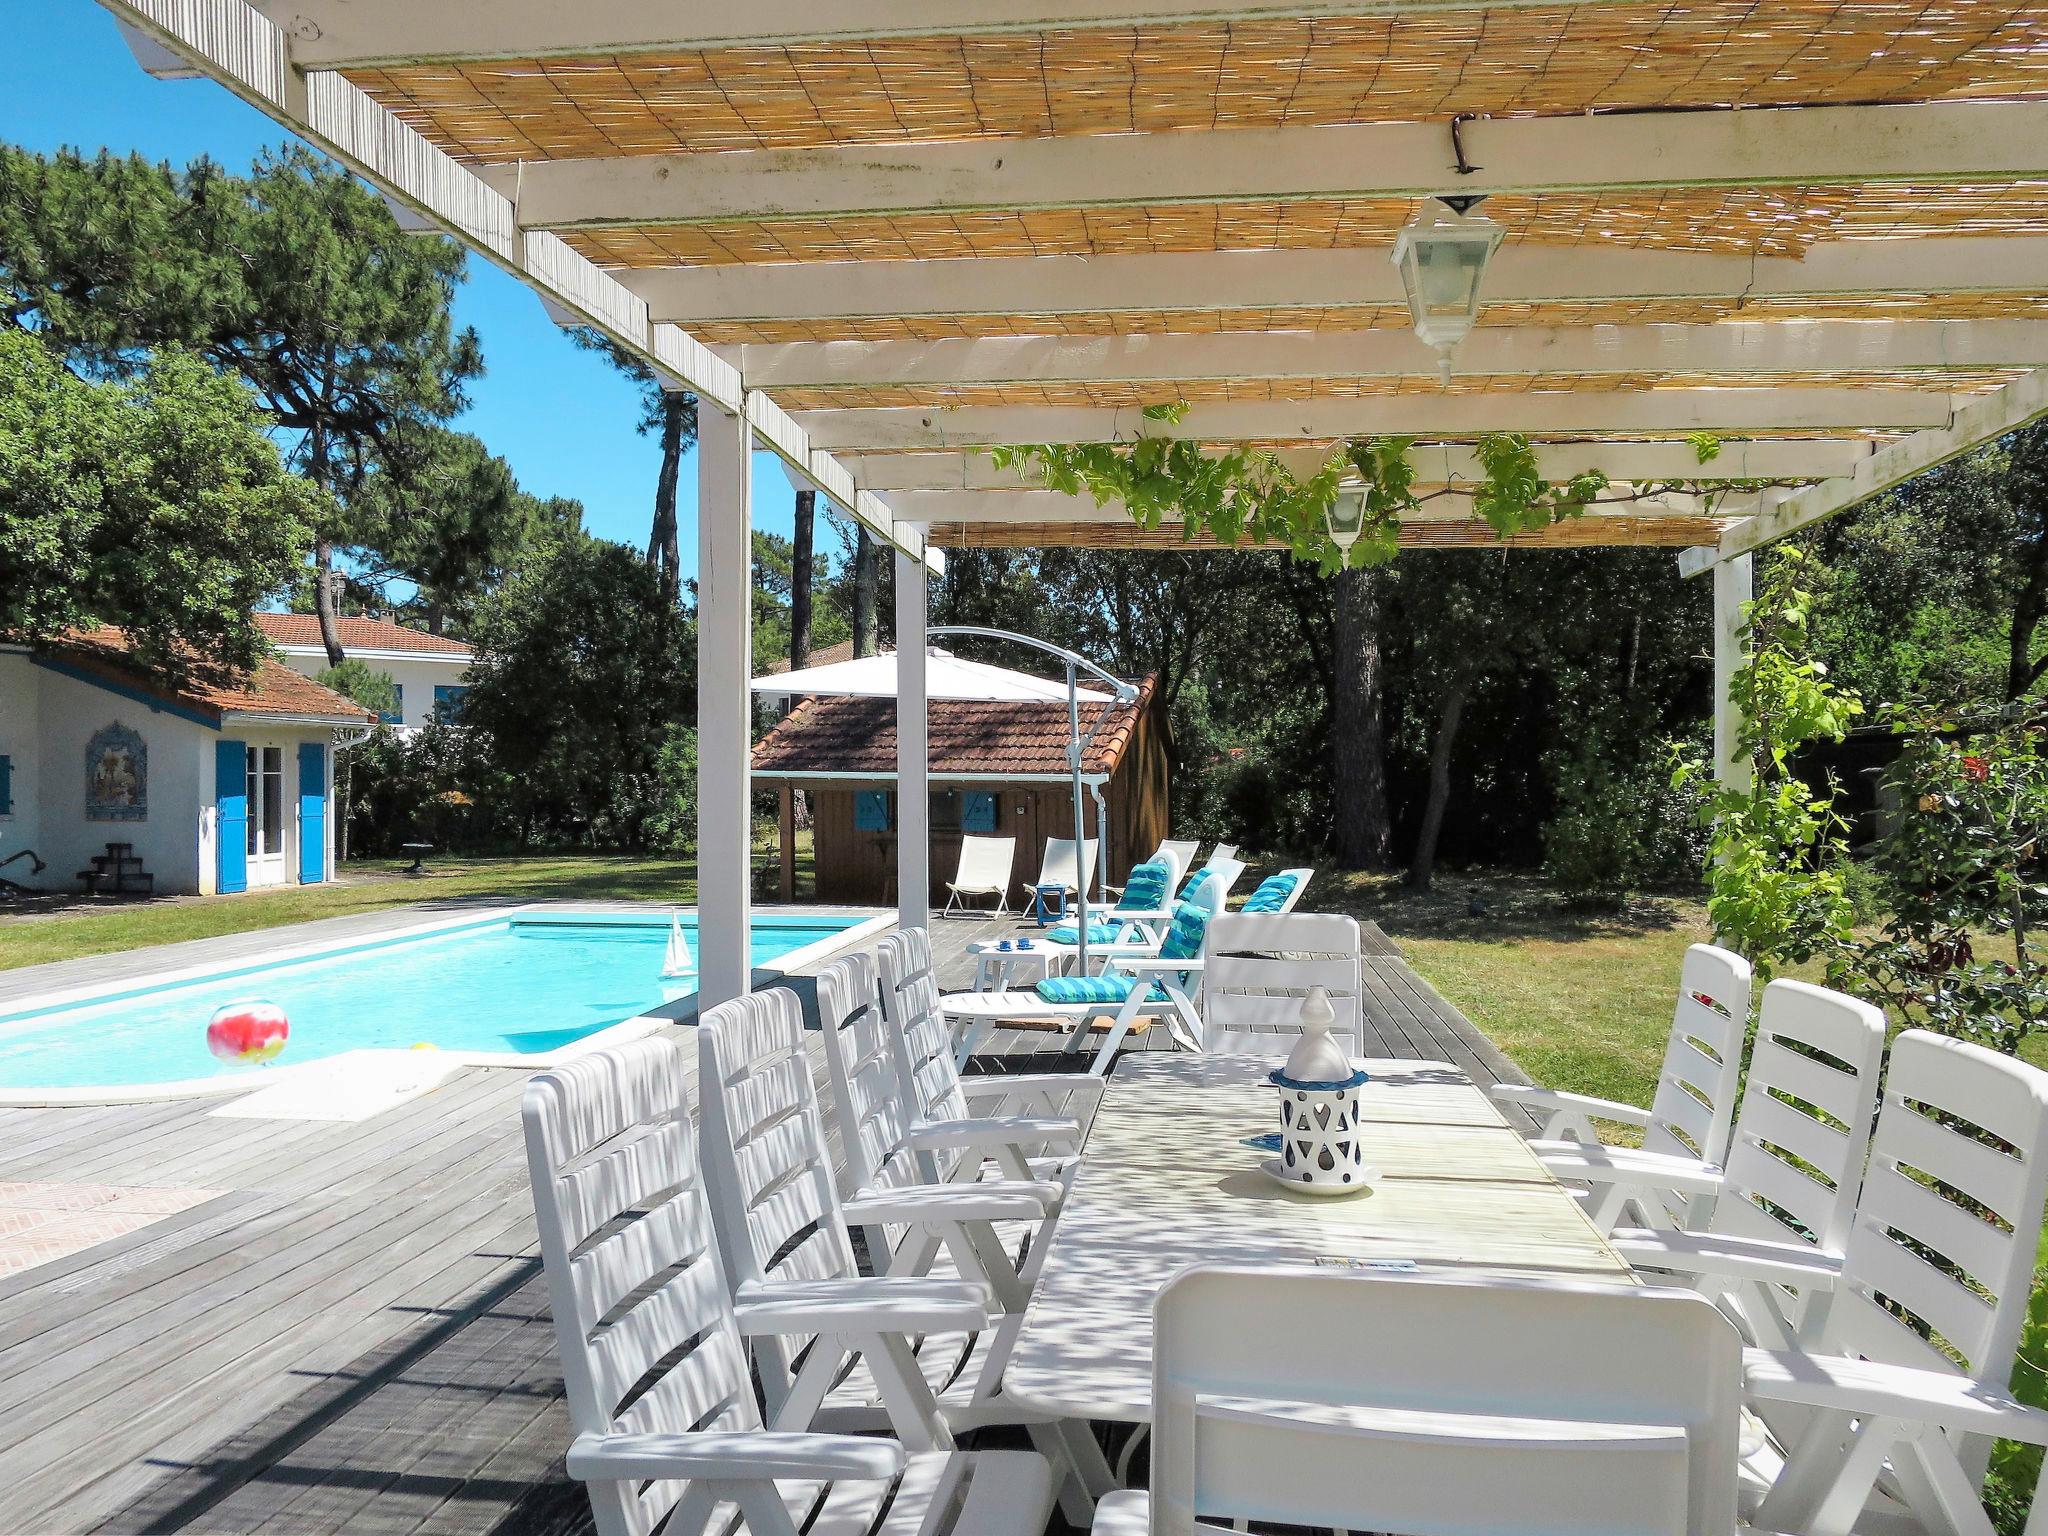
pixel 725 704
pixel 913 751
pixel 1732 593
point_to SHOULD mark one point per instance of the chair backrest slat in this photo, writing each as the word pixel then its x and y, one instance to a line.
pixel 1259 968
pixel 1941 1256
pixel 910 1002
pixel 1538 1407
pixel 868 1104
pixel 643 1323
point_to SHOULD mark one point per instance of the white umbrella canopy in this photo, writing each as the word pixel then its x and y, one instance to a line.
pixel 946 677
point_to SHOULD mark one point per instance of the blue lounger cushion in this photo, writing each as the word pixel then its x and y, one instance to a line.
pixel 1111 987
pixel 1271 895
pixel 1070 933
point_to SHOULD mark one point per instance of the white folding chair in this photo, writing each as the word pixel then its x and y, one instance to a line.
pixel 1795 1167
pixel 1907 1387
pixel 1061 869
pixel 1694 1105
pixel 984 871
pixel 1011 1108
pixel 784 1232
pixel 669 1433
pixel 1328 1399
pixel 1260 968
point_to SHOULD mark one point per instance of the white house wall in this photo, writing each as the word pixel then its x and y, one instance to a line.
pixel 20 707
pixel 416 677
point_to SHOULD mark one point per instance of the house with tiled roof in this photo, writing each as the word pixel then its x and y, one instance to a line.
pixel 117 779
pixel 430 672
pixel 998 769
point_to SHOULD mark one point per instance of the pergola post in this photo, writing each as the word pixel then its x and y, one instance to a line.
pixel 1733 584
pixel 725 703
pixel 913 751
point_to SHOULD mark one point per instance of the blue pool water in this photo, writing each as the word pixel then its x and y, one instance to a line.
pixel 502 985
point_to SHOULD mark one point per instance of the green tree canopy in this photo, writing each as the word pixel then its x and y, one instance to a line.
pixel 155 503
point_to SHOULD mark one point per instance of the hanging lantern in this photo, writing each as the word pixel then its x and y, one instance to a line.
pixel 1442 254
pixel 1345 518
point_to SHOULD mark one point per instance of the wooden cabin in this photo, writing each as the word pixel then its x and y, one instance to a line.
pixel 997 770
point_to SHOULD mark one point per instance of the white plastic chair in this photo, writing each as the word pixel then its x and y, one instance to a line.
pixel 1694 1105
pixel 1011 1106
pixel 1172 856
pixel 1183 851
pixel 1147 929
pixel 984 871
pixel 1795 1166
pixel 1326 1399
pixel 1907 1386
pixel 667 1425
pixel 1261 966
pixel 783 1230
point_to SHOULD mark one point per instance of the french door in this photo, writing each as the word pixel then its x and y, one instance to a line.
pixel 269 813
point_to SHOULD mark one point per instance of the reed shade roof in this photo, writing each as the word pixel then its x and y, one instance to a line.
pixel 1269 73
pixel 1374 317
pixel 1593 530
pixel 1211 391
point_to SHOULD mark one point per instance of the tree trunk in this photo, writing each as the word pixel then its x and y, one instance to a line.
pixel 323 602
pixel 800 580
pixel 1450 714
pixel 2021 670
pixel 1357 729
pixel 664 548
pixel 867 582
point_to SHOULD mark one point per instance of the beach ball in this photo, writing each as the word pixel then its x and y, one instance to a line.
pixel 250 1033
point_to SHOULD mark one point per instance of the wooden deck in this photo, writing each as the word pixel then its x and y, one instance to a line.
pixel 354 1334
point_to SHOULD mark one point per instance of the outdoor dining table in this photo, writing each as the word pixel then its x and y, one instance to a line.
pixel 1165 1181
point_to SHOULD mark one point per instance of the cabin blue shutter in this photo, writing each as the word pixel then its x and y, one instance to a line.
pixel 312 812
pixel 231 821
pixel 978 811
pixel 6 786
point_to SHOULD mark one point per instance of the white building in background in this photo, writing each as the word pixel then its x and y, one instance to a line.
pixel 123 782
pixel 430 671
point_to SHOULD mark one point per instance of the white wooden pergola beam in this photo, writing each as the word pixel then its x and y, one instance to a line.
pixel 232 43
pixel 1977 422
pixel 336 33
pixel 1435 464
pixel 1652 412
pixel 1732 347
pixel 1032 507
pixel 1240 280
pixel 1775 146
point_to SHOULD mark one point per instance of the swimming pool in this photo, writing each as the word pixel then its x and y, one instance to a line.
pixel 508 987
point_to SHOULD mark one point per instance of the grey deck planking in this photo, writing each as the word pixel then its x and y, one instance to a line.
pixel 385 1364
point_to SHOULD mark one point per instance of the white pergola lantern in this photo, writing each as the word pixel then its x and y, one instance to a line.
pixel 1345 518
pixel 1441 255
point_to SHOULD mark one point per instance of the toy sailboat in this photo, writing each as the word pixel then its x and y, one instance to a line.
pixel 678 965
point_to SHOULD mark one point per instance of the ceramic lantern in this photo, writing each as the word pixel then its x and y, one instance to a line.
pixel 1319 1101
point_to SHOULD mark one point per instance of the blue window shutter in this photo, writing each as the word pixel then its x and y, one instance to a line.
pixel 6 786
pixel 448 701
pixel 871 810
pixel 978 811
pixel 231 821
pixel 395 715
pixel 312 812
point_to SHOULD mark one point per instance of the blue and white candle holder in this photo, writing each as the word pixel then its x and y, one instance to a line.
pixel 1321 1151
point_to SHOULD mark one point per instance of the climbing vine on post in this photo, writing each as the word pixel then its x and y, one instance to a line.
pixel 1245 495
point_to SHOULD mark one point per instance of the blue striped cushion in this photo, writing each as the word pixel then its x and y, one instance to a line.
pixel 1184 938
pixel 1110 987
pixel 1145 887
pixel 1193 885
pixel 1271 895
pixel 1070 933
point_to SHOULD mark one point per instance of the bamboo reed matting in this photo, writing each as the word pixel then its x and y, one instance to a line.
pixel 1766 221
pixel 1374 317
pixel 1219 391
pixel 1589 532
pixel 1268 73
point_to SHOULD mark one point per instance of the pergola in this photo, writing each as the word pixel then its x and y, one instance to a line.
pixel 876 236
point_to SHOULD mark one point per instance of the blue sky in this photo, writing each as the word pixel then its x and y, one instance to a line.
pixel 560 416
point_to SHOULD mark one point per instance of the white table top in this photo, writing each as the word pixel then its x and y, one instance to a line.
pixel 1164 1183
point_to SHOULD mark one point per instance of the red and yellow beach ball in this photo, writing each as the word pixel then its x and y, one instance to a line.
pixel 249 1033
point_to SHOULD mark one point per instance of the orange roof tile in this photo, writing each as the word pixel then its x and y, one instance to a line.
pixel 271 688
pixel 357 634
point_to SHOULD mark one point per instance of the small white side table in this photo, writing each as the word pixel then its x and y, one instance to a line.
pixel 1004 970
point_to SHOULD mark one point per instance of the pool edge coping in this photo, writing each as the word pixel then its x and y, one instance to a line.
pixel 625 1030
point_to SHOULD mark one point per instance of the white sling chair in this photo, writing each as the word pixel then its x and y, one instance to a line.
pixel 1694 1105
pixel 784 1232
pixel 1795 1166
pixel 984 871
pixel 669 1434
pixel 1062 869
pixel 1332 1400
pixel 1260 968
pixel 1907 1386
pixel 1042 1115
